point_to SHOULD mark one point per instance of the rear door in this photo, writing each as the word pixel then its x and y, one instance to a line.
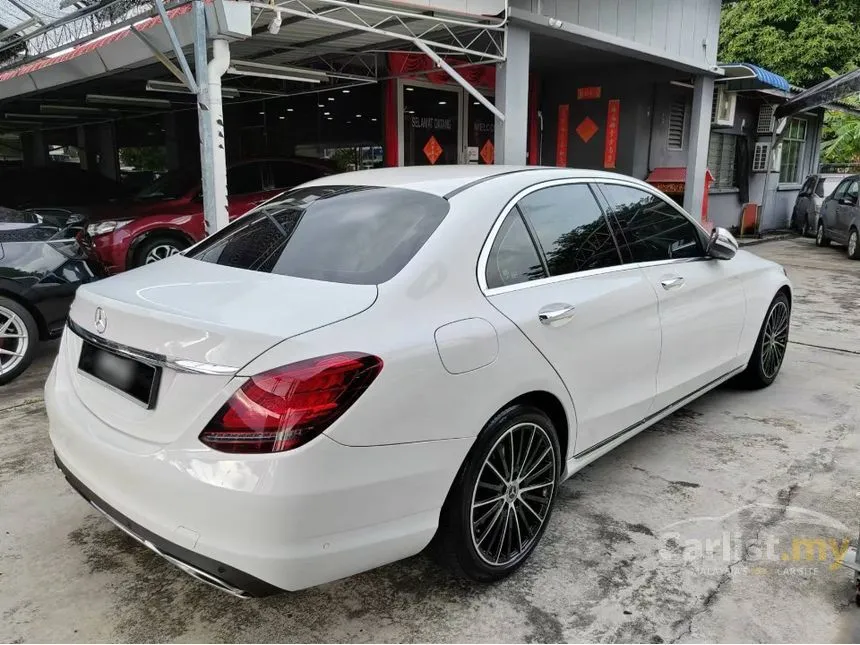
pixel 830 210
pixel 702 301
pixel 553 268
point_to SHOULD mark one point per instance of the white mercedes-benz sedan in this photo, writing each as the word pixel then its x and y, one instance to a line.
pixel 379 361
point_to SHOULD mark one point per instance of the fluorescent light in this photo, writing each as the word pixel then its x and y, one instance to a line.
pixel 180 88
pixel 410 89
pixel 373 119
pixel 72 109
pixel 357 116
pixel 326 113
pixel 443 102
pixel 282 118
pixel 331 119
pixel 127 100
pixel 298 74
pixel 345 91
pixel 289 109
pixel 261 112
pixel 17 116
pixel 320 105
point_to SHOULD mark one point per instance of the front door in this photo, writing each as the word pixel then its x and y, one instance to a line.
pixel 845 210
pixel 702 301
pixel 555 271
pixel 430 127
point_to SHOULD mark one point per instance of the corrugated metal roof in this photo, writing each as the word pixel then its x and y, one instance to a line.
pixel 750 72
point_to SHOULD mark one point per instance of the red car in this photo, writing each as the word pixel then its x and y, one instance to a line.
pixel 167 216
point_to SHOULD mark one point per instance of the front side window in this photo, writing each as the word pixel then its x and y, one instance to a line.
pixel 347 234
pixel 571 229
pixel 841 189
pixel 649 228
pixel 852 193
pixel 513 257
pixel 792 152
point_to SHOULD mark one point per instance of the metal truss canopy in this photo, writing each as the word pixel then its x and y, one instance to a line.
pixel 353 26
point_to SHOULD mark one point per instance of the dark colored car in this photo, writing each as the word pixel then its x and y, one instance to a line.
pixel 41 266
pixel 840 217
pixel 58 186
pixel 807 206
pixel 167 216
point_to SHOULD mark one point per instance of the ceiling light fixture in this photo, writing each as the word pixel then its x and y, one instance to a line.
pixel 127 100
pixel 180 88
pixel 298 74
pixel 70 109
pixel 17 116
pixel 275 25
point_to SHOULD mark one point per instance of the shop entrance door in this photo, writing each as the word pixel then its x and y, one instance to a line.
pixel 430 126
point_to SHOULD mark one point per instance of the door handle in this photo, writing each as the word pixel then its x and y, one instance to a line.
pixel 672 283
pixel 556 314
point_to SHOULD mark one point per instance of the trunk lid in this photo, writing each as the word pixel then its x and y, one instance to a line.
pixel 188 310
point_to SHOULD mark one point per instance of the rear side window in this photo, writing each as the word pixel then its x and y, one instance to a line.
pixel 349 234
pixel 513 257
pixel 650 228
pixel 571 229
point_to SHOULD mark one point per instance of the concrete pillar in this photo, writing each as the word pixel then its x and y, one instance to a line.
pixel 172 156
pixel 512 98
pixel 102 150
pixel 700 134
pixel 34 150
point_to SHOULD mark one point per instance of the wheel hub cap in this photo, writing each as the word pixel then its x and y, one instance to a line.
pixel 14 340
pixel 775 340
pixel 512 495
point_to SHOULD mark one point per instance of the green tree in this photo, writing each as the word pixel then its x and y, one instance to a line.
pixel 840 139
pixel 144 157
pixel 797 39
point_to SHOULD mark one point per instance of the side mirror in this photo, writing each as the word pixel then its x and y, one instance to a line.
pixel 722 245
pixel 848 201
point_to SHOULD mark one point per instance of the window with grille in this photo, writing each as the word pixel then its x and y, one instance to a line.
pixel 792 152
pixel 721 159
pixel 677 123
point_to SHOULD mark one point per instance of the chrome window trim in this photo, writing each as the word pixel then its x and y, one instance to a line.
pixel 483 257
pixel 152 358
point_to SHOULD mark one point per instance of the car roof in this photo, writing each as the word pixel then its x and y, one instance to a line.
pixel 444 180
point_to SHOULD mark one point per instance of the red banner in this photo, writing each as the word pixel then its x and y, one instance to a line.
pixel 419 66
pixel 561 139
pixel 610 151
pixel 585 93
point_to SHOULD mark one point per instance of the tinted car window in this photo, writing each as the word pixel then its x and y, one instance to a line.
pixel 350 234
pixel 286 174
pixel 244 179
pixel 570 228
pixel 650 228
pixel 852 191
pixel 513 257
pixel 839 193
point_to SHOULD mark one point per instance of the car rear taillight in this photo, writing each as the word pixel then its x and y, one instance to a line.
pixel 286 407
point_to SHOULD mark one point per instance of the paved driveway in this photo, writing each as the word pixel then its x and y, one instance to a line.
pixel 698 529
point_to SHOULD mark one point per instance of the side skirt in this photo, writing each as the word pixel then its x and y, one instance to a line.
pixel 581 460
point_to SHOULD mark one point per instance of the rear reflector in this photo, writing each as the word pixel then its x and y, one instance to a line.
pixel 286 407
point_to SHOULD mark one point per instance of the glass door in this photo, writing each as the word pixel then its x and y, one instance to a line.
pixel 480 132
pixel 430 125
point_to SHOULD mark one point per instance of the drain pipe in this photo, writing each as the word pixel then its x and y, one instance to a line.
pixel 215 70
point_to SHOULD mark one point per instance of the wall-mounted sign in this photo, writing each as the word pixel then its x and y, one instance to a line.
pixel 610 150
pixel 588 93
pixel 472 154
pixel 586 129
pixel 561 138
pixel 432 150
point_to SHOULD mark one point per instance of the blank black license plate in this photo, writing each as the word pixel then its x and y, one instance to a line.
pixel 133 378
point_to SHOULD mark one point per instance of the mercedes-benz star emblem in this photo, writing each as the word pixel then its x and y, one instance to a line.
pixel 100 320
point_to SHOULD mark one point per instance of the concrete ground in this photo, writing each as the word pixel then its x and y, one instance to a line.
pixel 686 533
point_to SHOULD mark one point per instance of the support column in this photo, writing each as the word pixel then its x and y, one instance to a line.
pixel 512 98
pixel 171 142
pixel 107 150
pixel 700 134
pixel 34 149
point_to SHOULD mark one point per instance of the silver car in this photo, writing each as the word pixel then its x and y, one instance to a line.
pixel 807 207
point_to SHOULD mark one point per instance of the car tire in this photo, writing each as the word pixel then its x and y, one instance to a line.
pixel 854 244
pixel 20 336
pixel 490 524
pixel 821 238
pixel 770 347
pixel 158 247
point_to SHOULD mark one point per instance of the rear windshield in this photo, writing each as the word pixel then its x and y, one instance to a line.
pixel 350 234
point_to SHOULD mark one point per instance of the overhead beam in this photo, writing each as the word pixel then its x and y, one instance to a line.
pixel 177 48
pixel 164 60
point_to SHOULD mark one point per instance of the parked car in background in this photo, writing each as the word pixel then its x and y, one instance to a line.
pixel 41 266
pixel 381 360
pixel 816 188
pixel 167 216
pixel 59 185
pixel 839 220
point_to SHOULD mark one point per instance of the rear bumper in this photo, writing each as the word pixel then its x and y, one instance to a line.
pixel 219 575
pixel 288 520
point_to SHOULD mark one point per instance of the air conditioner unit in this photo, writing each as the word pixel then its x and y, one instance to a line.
pixel 723 111
pixel 761 153
pixel 765 120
